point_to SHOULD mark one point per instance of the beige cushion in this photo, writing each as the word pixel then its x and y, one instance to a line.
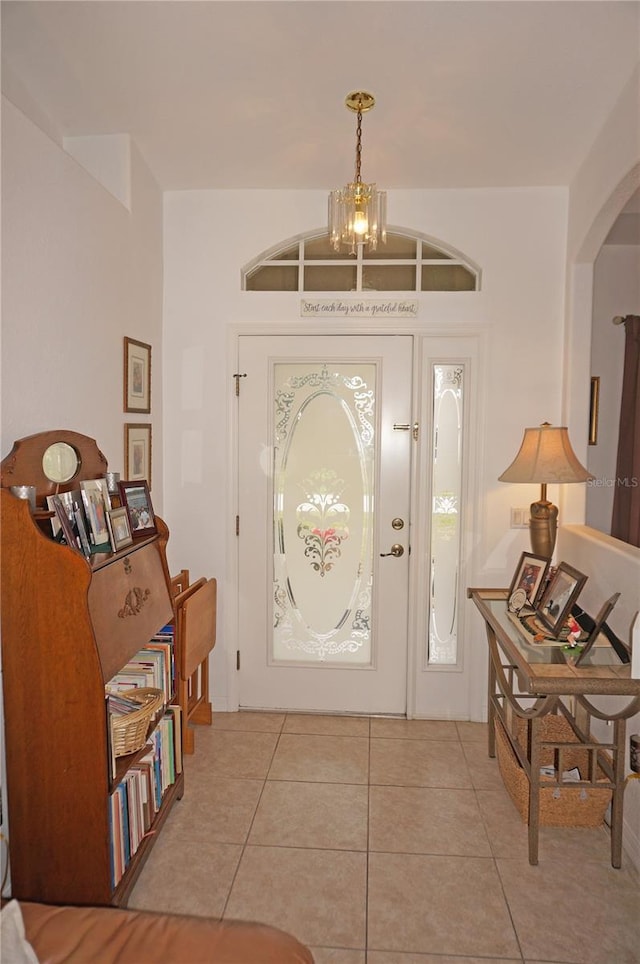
pixel 104 935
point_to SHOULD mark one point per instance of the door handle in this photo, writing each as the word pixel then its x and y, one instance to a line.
pixel 396 550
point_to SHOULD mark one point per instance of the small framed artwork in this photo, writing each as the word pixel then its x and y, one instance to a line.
pixel 137 501
pixel 137 376
pixel 594 403
pixel 529 576
pixel 119 528
pixel 137 453
pixel 97 503
pixel 560 594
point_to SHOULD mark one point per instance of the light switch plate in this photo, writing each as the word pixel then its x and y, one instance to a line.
pixel 519 518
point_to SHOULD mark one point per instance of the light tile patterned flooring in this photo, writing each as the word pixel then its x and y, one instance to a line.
pixel 382 841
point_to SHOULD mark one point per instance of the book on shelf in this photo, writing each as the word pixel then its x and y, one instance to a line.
pixel 152 666
pixel 119 705
pixel 165 646
pixel 138 797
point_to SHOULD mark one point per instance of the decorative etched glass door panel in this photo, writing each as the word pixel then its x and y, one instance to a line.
pixel 324 462
pixel 448 387
pixel 322 475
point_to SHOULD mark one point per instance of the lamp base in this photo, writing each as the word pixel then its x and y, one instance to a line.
pixel 543 526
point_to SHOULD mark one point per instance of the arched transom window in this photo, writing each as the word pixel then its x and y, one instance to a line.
pixel 407 262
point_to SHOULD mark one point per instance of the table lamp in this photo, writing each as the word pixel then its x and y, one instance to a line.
pixel 545 456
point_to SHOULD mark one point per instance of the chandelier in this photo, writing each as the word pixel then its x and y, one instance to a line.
pixel 358 212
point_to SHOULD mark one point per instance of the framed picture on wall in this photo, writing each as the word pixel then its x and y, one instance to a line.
pixel 137 376
pixel 137 453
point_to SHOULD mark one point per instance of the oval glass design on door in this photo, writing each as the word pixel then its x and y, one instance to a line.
pixel 323 513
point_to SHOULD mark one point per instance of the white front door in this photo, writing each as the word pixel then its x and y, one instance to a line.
pixel 324 462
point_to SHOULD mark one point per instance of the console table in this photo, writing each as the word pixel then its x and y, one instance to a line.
pixel 528 680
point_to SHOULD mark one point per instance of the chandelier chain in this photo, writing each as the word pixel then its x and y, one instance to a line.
pixel 358 147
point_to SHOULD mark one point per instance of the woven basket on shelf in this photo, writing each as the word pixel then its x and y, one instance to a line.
pixel 565 806
pixel 129 731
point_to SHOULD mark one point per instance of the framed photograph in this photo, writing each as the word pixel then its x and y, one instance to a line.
pixel 119 528
pixel 137 376
pixel 65 525
pixel 529 576
pixel 97 502
pixel 137 501
pixel 560 594
pixel 71 504
pixel 594 403
pixel 598 625
pixel 137 453
pixel 70 500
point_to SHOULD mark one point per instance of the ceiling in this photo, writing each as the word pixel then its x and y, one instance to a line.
pixel 242 94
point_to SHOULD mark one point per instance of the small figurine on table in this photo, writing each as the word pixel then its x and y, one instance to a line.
pixel 573 636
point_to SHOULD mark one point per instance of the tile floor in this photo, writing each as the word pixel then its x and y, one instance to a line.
pixel 382 841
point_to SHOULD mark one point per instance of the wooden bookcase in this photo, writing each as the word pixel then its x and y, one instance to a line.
pixel 64 636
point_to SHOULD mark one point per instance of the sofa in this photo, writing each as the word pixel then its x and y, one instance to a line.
pixel 44 934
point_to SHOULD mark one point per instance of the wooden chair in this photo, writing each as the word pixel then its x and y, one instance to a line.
pixel 195 606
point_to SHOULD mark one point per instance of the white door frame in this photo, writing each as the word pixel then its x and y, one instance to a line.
pixel 476 696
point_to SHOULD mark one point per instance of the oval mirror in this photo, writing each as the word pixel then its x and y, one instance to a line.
pixel 60 462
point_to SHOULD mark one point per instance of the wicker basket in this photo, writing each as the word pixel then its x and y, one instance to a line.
pixel 565 806
pixel 129 731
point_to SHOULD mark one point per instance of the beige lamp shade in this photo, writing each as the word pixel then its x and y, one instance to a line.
pixel 546 456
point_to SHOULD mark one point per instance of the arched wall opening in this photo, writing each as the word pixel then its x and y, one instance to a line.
pixel 577 367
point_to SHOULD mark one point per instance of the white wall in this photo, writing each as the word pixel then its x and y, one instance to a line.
pixel 79 271
pixel 607 177
pixel 518 237
pixel 616 291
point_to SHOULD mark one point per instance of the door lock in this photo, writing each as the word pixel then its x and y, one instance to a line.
pixel 396 550
pixel 397 523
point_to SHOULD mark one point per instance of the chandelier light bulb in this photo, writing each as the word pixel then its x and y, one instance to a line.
pixel 360 223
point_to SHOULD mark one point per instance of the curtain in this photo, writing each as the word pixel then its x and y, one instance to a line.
pixel 625 522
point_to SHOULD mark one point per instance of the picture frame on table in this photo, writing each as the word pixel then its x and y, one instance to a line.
pixel 137 452
pixel 530 576
pixel 137 376
pixel 119 528
pixel 560 594
pixel 97 503
pixel 136 499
